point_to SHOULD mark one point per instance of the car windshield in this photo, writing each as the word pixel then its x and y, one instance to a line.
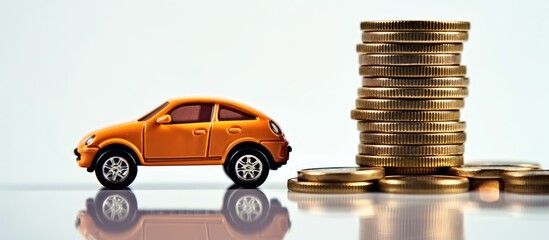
pixel 153 112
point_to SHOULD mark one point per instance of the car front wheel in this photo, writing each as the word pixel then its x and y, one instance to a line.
pixel 116 169
pixel 115 210
pixel 248 167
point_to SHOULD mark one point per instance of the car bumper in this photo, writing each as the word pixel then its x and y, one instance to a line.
pixel 280 150
pixel 85 155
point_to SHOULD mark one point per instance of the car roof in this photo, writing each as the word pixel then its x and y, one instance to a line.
pixel 222 101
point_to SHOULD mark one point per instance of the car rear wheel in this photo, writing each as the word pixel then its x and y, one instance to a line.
pixel 247 210
pixel 116 169
pixel 248 167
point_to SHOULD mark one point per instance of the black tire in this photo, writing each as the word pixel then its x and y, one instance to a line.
pixel 121 201
pixel 120 159
pixel 226 169
pixel 258 165
pixel 247 210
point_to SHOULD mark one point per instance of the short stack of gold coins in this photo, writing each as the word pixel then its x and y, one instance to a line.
pixel 336 179
pixel 413 87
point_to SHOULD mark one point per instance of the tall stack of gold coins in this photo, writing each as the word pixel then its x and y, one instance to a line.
pixel 408 112
pixel 413 87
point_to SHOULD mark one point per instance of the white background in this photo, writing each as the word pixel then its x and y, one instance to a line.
pixel 69 67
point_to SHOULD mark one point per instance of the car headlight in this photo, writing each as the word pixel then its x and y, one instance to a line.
pixel 275 128
pixel 90 140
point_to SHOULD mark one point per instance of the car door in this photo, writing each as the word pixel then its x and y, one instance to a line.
pixel 185 136
pixel 231 124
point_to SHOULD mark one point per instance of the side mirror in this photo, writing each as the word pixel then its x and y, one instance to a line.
pixel 164 119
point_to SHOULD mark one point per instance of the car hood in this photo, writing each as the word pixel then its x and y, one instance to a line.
pixel 118 130
pixel 118 126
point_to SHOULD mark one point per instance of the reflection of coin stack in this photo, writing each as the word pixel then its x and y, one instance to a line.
pixel 415 217
pixel 412 89
pixel 361 204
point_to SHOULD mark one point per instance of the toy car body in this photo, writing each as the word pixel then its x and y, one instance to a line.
pixel 187 131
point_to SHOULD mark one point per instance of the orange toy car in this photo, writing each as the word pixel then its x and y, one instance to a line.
pixel 187 131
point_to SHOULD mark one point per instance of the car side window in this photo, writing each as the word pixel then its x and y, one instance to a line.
pixel 231 114
pixel 191 113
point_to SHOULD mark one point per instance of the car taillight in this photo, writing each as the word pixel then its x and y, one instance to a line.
pixel 275 128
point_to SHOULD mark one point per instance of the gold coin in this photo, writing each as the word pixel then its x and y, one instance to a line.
pixel 424 93
pixel 409 59
pixel 415 171
pixel 485 171
pixel 531 165
pixel 413 138
pixel 412 71
pixel 410 150
pixel 447 82
pixel 341 174
pixel 409 48
pixel 413 25
pixel 410 127
pixel 328 187
pixel 526 189
pixel 424 184
pixel 409 161
pixel 414 37
pixel 404 116
pixel 527 177
pixel 410 104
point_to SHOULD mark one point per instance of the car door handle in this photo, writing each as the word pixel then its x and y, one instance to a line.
pixel 235 130
pixel 199 132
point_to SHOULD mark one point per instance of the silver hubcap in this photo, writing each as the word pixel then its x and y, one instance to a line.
pixel 116 169
pixel 116 208
pixel 248 168
pixel 249 208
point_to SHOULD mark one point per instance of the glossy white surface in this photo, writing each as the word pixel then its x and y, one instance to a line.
pixel 51 212
pixel 68 67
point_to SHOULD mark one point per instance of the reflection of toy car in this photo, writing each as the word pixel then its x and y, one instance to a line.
pixel 246 214
pixel 192 131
